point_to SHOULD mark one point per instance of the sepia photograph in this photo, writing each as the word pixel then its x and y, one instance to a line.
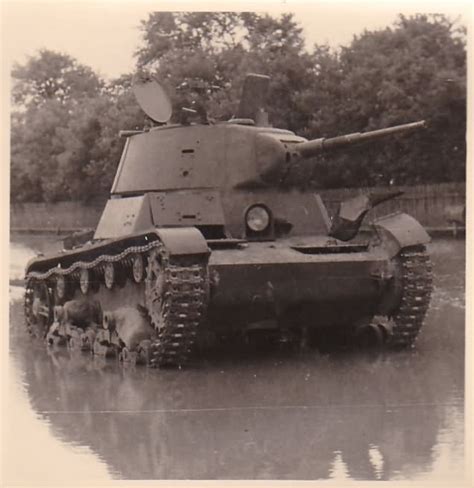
pixel 237 242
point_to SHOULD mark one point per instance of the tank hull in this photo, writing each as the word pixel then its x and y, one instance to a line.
pixel 275 281
pixel 186 289
pixel 319 290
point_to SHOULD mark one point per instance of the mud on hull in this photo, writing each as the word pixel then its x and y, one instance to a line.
pixel 150 298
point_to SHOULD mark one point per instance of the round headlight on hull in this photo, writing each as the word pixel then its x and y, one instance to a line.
pixel 258 221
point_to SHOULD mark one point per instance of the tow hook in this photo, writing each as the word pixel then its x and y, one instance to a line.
pixel 376 333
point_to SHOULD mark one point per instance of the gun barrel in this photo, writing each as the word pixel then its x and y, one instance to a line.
pixel 316 146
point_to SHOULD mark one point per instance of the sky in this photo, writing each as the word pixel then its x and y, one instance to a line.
pixel 104 34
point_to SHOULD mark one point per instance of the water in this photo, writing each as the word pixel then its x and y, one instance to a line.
pixel 284 415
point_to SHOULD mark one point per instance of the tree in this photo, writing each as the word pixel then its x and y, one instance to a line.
pixel 64 140
pixel 34 147
pixel 53 76
pixel 413 70
pixel 210 53
pixel 164 32
pixel 66 119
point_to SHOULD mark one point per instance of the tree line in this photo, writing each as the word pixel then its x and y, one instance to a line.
pixel 66 118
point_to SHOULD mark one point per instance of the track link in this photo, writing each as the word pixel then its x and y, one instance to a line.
pixel 417 282
pixel 176 304
pixel 176 293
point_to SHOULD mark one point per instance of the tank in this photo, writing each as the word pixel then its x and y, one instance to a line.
pixel 209 234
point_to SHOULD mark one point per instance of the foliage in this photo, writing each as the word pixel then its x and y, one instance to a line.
pixel 415 70
pixel 53 76
pixel 211 61
pixel 64 140
pixel 65 122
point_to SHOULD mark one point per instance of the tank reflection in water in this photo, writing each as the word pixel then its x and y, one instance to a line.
pixel 278 415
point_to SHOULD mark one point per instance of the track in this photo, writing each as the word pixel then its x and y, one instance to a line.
pixel 176 299
pixel 417 283
pixel 176 294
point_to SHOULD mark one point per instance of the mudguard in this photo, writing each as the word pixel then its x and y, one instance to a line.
pixel 183 240
pixel 178 241
pixel 400 230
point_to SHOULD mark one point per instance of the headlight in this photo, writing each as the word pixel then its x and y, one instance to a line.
pixel 257 218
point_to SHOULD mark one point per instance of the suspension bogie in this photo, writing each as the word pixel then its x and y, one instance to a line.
pixel 146 304
pixel 127 305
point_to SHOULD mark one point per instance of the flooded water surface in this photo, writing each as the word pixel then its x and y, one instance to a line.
pixel 283 415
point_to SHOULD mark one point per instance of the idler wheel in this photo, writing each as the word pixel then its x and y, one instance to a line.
pixel 138 268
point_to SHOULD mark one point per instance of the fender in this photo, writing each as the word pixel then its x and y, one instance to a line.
pixel 178 241
pixel 182 240
pixel 400 230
